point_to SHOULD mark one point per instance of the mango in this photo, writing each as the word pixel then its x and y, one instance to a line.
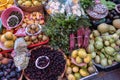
pixel 69 70
pixel 88 58
pixel 74 53
pixel 71 77
pixel 75 69
pixel 82 53
pixel 78 60
pixel 84 72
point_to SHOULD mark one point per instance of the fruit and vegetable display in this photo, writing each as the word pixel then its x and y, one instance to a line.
pixel 46 59
pixel 35 39
pixel 79 65
pixel 32 18
pixel 59 29
pixel 104 44
pixel 58 39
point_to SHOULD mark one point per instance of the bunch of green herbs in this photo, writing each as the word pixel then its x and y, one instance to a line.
pixel 59 27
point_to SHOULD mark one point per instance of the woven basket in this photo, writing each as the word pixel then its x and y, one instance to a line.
pixel 62 75
pixel 30 9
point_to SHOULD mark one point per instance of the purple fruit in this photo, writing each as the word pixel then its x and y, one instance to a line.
pixel 17 70
pixel 3 78
pixel 8 77
pixel 12 74
pixel 1 74
pixel 8 70
pixel 5 73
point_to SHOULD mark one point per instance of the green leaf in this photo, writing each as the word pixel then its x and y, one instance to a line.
pixel 103 2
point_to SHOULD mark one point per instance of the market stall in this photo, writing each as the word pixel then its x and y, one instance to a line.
pixel 58 39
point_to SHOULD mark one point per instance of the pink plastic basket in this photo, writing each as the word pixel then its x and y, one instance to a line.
pixel 7 12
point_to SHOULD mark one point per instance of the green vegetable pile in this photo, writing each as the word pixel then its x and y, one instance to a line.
pixel 59 27
pixel 105 45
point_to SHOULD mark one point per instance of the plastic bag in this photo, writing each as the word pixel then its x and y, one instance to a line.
pixel 55 6
pixel 20 54
pixel 21 32
pixel 73 8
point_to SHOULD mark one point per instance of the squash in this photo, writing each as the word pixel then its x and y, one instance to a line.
pixel 116 23
pixel 103 28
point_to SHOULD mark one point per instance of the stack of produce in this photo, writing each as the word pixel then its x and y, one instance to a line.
pixel 53 71
pixel 8 69
pixel 30 3
pixel 33 29
pixel 6 4
pixel 32 18
pixel 59 28
pixel 105 44
pixel 82 38
pixel 80 65
pixel 8 39
pixel 35 39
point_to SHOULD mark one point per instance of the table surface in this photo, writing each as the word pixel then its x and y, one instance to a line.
pixel 111 75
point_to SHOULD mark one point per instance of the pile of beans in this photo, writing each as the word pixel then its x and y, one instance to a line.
pixel 54 69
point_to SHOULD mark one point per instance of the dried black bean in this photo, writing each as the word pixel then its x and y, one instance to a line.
pixel 55 68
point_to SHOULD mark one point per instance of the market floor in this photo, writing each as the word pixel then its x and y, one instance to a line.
pixel 111 75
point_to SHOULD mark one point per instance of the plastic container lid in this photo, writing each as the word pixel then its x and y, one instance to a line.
pixel 26 30
pixel 42 62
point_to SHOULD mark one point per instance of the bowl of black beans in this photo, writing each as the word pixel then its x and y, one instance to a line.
pixel 52 62
pixel 12 17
